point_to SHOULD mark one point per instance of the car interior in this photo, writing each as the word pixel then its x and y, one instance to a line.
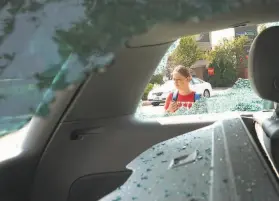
pixel 90 146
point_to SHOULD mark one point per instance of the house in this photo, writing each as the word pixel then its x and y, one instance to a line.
pixel 208 41
pixel 200 68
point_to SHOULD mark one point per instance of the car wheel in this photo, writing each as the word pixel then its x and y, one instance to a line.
pixel 206 93
pixel 155 104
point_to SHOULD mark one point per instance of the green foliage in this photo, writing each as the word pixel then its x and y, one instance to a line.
pixel 238 49
pixel 148 88
pixel 45 78
pixel 157 79
pixel 187 52
pixel 169 67
pixel 225 59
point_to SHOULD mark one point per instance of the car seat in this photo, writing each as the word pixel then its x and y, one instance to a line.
pixel 264 75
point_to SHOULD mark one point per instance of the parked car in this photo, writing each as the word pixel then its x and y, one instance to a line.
pixel 159 95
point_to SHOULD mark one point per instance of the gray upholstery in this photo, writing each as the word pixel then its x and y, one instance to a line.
pixel 264 64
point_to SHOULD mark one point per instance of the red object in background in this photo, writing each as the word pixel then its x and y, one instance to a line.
pixel 246 56
pixel 210 71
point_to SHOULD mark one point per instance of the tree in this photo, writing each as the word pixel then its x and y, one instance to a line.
pixel 45 79
pixel 187 52
pixel 147 89
pixel 240 52
pixel 169 67
pixel 157 79
pixel 225 59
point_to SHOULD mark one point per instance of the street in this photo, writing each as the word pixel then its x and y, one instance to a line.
pixel 157 110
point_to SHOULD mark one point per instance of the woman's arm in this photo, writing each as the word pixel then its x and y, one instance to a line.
pixel 168 101
pixel 170 106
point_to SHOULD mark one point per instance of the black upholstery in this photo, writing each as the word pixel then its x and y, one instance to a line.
pixel 264 75
pixel 264 64
pixel 271 130
pixel 94 187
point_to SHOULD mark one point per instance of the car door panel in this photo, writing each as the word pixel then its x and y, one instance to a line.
pixel 210 168
pixel 95 186
pixel 106 148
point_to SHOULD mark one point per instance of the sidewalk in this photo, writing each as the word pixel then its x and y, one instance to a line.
pixel 145 103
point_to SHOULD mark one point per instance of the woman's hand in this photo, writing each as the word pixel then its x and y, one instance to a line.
pixel 172 107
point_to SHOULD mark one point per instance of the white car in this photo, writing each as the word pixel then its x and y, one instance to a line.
pixel 160 94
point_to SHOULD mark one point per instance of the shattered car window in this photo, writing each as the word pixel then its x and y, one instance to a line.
pixel 49 45
pixel 220 60
pixel 45 47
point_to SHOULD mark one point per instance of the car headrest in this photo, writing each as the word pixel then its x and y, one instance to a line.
pixel 264 64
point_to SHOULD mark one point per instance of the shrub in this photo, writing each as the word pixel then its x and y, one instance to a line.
pixel 157 79
pixel 148 88
pixel 187 52
pixel 225 59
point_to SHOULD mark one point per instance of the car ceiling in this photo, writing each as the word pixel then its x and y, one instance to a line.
pixel 119 89
pixel 247 13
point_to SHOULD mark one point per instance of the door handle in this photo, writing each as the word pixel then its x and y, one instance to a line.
pixel 80 134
